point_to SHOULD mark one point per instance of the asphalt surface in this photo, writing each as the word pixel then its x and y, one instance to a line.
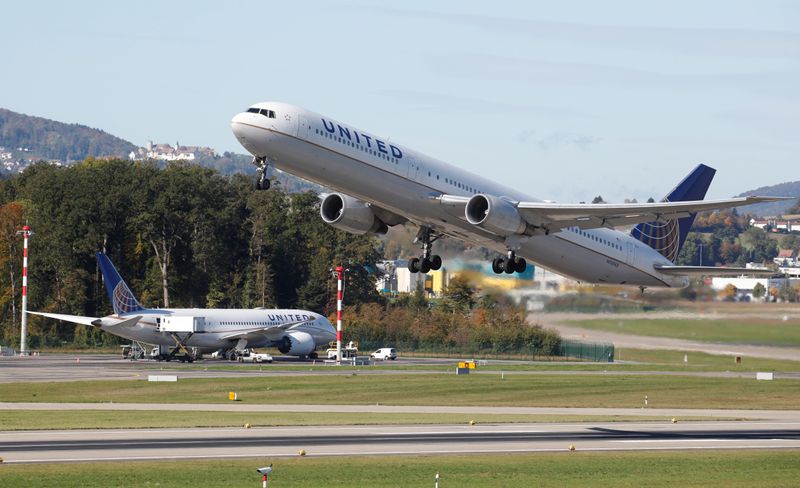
pixel 140 444
pixel 61 367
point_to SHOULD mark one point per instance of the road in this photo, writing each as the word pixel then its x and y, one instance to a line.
pixel 142 444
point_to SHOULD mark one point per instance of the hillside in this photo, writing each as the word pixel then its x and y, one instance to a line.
pixel 48 139
pixel 42 138
pixel 787 189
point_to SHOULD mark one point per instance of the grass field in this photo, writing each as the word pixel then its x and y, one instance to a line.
pixel 103 419
pixel 770 331
pixel 731 469
pixel 664 391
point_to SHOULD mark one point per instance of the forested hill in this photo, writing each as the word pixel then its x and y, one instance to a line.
pixel 48 139
pixel 787 189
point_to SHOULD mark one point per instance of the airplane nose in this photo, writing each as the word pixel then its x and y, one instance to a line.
pixel 245 132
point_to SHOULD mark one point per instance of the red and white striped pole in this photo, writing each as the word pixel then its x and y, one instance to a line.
pixel 339 293
pixel 264 482
pixel 23 342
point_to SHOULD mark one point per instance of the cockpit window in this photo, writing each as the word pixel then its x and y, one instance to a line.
pixel 267 113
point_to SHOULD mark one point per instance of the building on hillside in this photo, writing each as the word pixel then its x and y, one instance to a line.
pixel 785 223
pixel 786 257
pixel 166 152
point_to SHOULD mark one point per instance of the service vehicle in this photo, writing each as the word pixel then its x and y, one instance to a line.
pixel 384 353
pixel 349 350
pixel 254 357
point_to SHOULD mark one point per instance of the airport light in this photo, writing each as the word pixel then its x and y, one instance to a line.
pixel 437 480
pixel 265 472
pixel 23 340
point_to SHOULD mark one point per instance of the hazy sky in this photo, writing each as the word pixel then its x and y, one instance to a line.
pixel 563 100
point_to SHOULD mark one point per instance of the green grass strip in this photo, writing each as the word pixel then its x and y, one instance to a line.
pixel 732 469
pixel 769 331
pixel 524 390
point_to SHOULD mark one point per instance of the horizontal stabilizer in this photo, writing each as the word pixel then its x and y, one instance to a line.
pixel 712 270
pixel 75 319
pixel 93 321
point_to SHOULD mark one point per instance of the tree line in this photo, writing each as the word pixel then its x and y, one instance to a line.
pixel 182 236
pixel 187 236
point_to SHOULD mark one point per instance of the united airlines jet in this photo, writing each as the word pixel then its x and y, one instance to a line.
pixel 378 183
pixel 293 332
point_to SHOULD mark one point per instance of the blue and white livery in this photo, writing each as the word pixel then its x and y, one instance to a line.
pixel 379 183
pixel 293 332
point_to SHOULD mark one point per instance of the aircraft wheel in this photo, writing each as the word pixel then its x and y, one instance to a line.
pixel 424 265
pixel 413 265
pixel 313 355
pixel 436 262
pixel 520 265
pixel 498 265
pixel 508 266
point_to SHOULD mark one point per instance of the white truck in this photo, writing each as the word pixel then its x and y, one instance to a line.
pixel 254 357
pixel 349 350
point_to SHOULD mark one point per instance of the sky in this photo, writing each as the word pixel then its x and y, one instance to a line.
pixel 562 100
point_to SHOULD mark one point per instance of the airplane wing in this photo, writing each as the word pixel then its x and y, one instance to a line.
pixel 264 331
pixel 554 216
pixel 712 270
pixel 92 321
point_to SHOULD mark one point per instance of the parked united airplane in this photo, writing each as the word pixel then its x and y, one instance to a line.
pixel 378 183
pixel 293 332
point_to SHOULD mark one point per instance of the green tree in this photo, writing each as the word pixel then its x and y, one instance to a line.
pixel 758 245
pixel 460 294
pixel 759 291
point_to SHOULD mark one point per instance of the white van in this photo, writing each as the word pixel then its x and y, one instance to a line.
pixel 384 353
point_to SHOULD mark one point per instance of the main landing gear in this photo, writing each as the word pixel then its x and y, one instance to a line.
pixel 509 264
pixel 426 262
pixel 262 179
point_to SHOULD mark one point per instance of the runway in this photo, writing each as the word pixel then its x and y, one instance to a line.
pixel 151 444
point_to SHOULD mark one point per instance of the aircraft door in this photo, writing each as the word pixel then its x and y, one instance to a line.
pixel 631 255
pixel 303 127
pixel 414 168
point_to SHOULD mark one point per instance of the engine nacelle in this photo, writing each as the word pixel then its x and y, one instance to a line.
pixel 497 215
pixel 297 343
pixel 350 215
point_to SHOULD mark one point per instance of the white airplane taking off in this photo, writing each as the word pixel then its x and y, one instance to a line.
pixel 293 332
pixel 379 183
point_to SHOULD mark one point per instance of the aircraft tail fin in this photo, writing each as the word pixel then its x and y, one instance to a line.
pixel 120 296
pixel 667 237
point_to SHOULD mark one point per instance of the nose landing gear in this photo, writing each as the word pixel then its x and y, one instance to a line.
pixel 262 179
pixel 509 264
pixel 426 262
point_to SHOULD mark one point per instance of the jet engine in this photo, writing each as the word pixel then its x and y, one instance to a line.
pixel 350 215
pixel 495 214
pixel 297 343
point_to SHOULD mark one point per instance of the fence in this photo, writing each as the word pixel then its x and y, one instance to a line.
pixel 564 350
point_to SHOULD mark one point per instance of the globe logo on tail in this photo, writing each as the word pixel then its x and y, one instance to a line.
pixel 124 301
pixel 664 237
